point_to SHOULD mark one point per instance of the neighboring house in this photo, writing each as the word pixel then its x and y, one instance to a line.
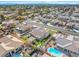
pixel 73 49
pixel 64 18
pixel 7 12
pixel 75 14
pixel 76 28
pixel 70 25
pixel 74 18
pixel 8 44
pixel 45 20
pixel 11 21
pixel 23 28
pixel 54 22
pixel 68 44
pixel 39 33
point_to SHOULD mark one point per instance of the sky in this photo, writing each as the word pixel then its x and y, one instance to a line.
pixel 39 1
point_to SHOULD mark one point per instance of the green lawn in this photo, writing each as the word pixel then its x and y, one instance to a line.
pixel 40 43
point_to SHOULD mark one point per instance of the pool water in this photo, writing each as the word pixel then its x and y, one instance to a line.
pixel 54 52
pixel 16 55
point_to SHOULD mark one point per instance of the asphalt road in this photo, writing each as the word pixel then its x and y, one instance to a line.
pixel 55 28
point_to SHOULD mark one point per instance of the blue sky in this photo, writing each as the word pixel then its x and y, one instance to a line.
pixel 37 2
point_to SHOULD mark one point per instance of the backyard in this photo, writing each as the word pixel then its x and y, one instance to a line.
pixel 40 43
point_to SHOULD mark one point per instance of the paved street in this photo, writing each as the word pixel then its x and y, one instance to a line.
pixel 55 28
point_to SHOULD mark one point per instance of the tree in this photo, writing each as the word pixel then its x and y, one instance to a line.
pixel 2 17
pixel 1 26
pixel 21 12
pixel 20 18
pixel 24 37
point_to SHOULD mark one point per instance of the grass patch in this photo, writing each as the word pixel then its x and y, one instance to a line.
pixel 26 55
pixel 52 31
pixel 40 43
pixel 24 38
pixel 1 26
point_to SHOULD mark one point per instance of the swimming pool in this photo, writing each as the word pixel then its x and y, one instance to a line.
pixel 54 52
pixel 16 55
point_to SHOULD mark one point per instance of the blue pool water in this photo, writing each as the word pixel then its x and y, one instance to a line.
pixel 16 55
pixel 54 52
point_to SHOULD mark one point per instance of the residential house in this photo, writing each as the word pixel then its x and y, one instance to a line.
pixel 76 14
pixel 76 28
pixel 68 44
pixel 8 44
pixel 64 18
pixel 45 20
pixel 39 33
pixel 23 29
